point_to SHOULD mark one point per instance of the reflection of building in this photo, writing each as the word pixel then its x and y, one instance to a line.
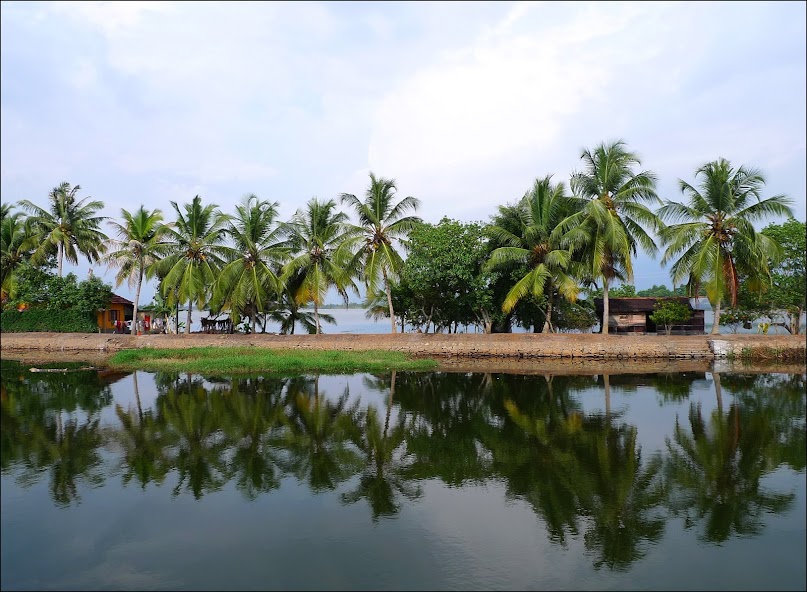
pixel 113 319
pixel 632 315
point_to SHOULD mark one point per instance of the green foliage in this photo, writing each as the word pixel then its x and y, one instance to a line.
pixel 444 276
pixel 57 321
pixel 788 291
pixel 667 313
pixel 621 291
pixel 574 316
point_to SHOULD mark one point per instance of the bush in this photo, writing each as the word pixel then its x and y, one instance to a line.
pixel 65 321
pixel 668 313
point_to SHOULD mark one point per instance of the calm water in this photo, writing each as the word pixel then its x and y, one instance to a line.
pixel 404 481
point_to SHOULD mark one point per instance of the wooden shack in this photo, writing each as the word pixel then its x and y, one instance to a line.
pixel 632 315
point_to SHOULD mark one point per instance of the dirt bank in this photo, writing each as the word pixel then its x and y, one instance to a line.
pixel 462 346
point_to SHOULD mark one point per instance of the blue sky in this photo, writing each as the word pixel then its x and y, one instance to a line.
pixel 464 104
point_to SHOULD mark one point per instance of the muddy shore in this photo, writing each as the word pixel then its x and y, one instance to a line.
pixel 522 352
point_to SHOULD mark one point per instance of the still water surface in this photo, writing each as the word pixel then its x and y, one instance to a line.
pixel 402 481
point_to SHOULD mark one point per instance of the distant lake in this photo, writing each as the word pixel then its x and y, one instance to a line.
pixel 391 481
pixel 354 320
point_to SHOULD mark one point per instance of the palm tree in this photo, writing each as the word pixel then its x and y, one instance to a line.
pixel 141 245
pixel 532 244
pixel 320 239
pixel 248 281
pixel 17 242
pixel 613 220
pixel 69 227
pixel 190 270
pixel 381 221
pixel 715 238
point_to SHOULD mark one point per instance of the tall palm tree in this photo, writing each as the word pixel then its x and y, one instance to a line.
pixel 382 220
pixel 533 245
pixel 17 242
pixel 320 240
pixel 248 282
pixel 68 227
pixel 715 236
pixel 141 244
pixel 196 254
pixel 613 220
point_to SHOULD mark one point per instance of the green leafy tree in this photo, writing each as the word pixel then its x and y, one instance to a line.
pixel 17 241
pixel 667 313
pixel 140 245
pixel 714 239
pixel 381 221
pixel 196 251
pixel 535 247
pixel 248 282
pixel 68 227
pixel 320 241
pixel 614 221
pixel 789 280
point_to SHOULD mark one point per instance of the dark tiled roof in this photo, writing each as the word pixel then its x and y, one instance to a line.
pixel 121 300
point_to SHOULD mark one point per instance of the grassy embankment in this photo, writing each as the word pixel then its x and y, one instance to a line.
pixel 236 360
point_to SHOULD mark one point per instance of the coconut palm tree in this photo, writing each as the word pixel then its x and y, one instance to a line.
pixel 68 227
pixel 381 220
pixel 141 244
pixel 613 221
pixel 248 282
pixel 196 240
pixel 715 239
pixel 17 241
pixel 320 240
pixel 533 245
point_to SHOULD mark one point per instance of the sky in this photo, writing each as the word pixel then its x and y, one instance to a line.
pixel 464 104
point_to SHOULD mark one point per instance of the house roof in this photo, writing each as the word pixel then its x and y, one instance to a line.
pixel 637 303
pixel 121 300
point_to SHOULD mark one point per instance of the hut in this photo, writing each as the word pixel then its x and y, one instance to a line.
pixel 632 315
pixel 114 318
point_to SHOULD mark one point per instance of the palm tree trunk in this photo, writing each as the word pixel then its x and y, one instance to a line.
pixel 61 256
pixel 253 315
pixel 718 392
pixel 605 307
pixel 548 322
pixel 607 380
pixel 137 397
pixel 716 323
pixel 188 324
pixel 389 301
pixel 389 404
pixel 316 315
pixel 137 299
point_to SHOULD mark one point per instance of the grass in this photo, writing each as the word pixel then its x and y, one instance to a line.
pixel 239 360
pixel 766 353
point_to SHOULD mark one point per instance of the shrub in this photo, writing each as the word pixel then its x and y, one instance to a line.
pixel 668 313
pixel 38 320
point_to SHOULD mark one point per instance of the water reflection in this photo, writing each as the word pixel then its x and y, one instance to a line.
pixel 582 471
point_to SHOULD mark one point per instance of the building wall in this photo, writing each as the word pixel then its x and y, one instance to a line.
pixel 106 317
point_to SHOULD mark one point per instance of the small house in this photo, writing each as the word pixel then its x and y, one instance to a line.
pixel 114 318
pixel 632 315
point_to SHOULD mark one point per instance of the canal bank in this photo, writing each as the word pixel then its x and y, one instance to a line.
pixel 511 346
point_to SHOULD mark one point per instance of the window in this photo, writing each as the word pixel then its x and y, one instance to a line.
pixel 113 316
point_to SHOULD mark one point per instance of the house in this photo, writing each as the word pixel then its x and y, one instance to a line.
pixel 113 319
pixel 632 315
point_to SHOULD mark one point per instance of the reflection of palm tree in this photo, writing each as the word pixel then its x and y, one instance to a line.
pixel 192 426
pixel 318 437
pixel 715 473
pixel 143 457
pixel 382 476
pixel 623 494
pixel 254 415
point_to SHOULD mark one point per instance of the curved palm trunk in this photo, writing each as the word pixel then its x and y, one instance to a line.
pixel 61 256
pixel 548 322
pixel 316 314
pixel 389 403
pixel 389 301
pixel 605 307
pixel 718 392
pixel 137 299
pixel 188 324
pixel 716 324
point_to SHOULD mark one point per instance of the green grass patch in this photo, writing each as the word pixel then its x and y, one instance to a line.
pixel 240 360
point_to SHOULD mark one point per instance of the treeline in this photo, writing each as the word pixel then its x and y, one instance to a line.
pixel 528 266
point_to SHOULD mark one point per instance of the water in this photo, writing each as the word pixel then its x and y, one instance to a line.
pixel 402 481
pixel 354 320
